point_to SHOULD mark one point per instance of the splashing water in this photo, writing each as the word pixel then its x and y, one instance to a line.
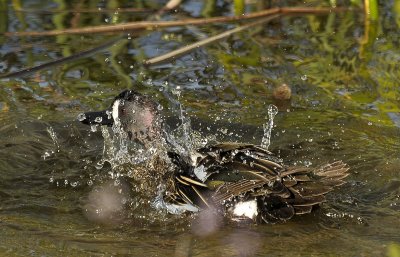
pixel 266 139
pixel 181 138
pixel 53 136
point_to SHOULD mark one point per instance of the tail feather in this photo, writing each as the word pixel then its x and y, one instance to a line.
pixel 309 187
pixel 336 169
pixel 333 182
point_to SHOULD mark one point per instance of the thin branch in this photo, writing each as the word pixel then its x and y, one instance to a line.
pixel 83 10
pixel 163 24
pixel 191 47
pixel 79 55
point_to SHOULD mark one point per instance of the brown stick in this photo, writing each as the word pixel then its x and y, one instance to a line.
pixel 73 57
pixel 163 24
pixel 83 10
pixel 188 48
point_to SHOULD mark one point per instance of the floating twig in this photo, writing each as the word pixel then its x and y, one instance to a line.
pixel 83 10
pixel 79 55
pixel 191 47
pixel 164 24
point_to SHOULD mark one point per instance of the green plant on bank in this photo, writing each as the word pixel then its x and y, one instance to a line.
pixel 393 250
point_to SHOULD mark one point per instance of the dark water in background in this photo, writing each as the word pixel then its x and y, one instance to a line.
pixel 345 104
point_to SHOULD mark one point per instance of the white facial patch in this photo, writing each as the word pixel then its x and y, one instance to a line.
pixel 248 209
pixel 115 113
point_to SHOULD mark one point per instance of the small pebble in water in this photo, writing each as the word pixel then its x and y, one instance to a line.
pixel 282 92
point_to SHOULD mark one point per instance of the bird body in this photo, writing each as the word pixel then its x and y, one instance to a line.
pixel 244 181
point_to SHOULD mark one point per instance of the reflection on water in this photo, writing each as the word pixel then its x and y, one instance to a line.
pixel 61 195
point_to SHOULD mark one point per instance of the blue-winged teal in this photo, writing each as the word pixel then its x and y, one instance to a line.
pixel 245 181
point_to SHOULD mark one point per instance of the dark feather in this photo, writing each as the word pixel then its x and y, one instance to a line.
pixel 299 210
pixel 311 188
pixel 236 172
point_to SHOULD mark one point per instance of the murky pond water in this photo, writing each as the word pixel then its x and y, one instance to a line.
pixel 344 76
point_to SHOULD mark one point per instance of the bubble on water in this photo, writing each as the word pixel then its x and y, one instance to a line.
pixel 51 179
pixel 89 182
pixel 369 123
pixel 106 20
pixel 74 184
pixel 304 77
pixel 98 119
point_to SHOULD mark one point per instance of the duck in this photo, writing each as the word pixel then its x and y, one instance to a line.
pixel 243 181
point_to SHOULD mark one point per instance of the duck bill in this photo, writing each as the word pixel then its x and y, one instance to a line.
pixel 96 118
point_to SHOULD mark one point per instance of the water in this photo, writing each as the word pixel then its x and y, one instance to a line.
pixel 61 195
pixel 268 126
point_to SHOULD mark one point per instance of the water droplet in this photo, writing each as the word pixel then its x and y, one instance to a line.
pixel 106 20
pixel 98 119
pixel 81 117
pixel 93 128
pixel 266 139
pixel 224 131
pixel 304 77
pixel 369 123
pixel 46 154
pixel 109 114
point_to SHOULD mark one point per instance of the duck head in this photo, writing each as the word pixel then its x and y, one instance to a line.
pixel 130 112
